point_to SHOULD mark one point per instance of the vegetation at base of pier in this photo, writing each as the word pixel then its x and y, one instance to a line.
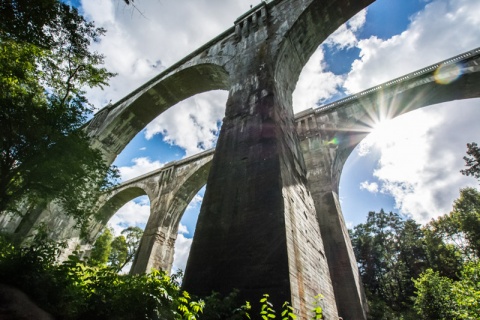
pixel 74 290
pixel 432 272
pixel 45 65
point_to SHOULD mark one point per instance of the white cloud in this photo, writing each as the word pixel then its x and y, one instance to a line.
pixel 344 36
pixel 315 84
pixel 421 152
pixel 133 213
pixel 369 186
pixel 141 166
pixel 443 29
pixel 182 229
pixel 193 123
pixel 195 203
pixel 182 249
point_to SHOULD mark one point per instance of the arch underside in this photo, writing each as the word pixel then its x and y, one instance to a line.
pixel 157 246
pixel 127 119
pixel 317 22
pixel 118 200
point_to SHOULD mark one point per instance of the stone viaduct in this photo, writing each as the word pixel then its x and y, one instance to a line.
pixel 270 220
pixel 327 135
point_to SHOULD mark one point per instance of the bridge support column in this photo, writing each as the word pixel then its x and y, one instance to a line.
pixel 324 163
pixel 257 230
pixel 156 249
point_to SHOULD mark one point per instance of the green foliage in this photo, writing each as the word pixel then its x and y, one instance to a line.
pixel 72 290
pixel 390 252
pixel 472 160
pixel 466 218
pixel 225 308
pixel 317 309
pixel 433 300
pixel 101 249
pixel 118 251
pixel 45 64
pixel 439 297
pixel 441 258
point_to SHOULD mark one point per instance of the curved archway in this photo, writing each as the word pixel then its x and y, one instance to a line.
pixel 111 203
pixel 157 245
pixel 356 120
pixel 312 27
pixel 113 127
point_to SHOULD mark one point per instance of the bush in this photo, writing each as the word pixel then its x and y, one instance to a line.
pixel 72 290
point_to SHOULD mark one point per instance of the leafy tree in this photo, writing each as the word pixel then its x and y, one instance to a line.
pixel 466 219
pixel 454 238
pixel 45 64
pixel 443 255
pixel 433 300
pixel 133 236
pixel 440 297
pixel 472 161
pixel 116 251
pixel 389 253
pixel 101 249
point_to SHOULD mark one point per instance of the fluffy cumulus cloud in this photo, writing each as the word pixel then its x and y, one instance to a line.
pixel 421 156
pixel 421 152
pixel 182 249
pixel 369 186
pixel 443 29
pixel 192 124
pixel 315 84
pixel 140 166
pixel 196 202
pixel 345 36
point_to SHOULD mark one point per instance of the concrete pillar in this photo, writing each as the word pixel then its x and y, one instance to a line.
pixel 156 249
pixel 257 230
pixel 323 180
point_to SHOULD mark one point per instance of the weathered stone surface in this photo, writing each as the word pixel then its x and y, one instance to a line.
pixel 170 190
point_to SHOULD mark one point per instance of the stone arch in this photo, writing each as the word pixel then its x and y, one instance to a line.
pixel 420 93
pixel 313 26
pixel 114 126
pixel 110 203
pixel 157 246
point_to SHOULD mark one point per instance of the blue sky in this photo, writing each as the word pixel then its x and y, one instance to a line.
pixel 408 165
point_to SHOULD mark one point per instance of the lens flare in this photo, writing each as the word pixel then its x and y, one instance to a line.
pixel 447 73
pixel 334 141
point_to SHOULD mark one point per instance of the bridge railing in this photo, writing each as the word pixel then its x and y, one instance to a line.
pixel 327 107
pixel 168 166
